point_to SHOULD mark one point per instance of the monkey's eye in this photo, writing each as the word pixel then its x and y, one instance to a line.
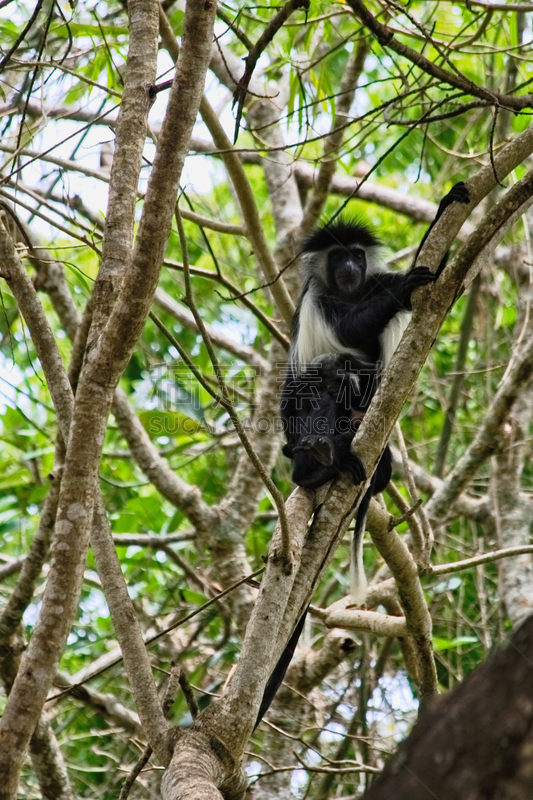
pixel 347 256
pixel 358 256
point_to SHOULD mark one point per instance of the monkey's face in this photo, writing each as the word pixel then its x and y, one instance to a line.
pixel 346 269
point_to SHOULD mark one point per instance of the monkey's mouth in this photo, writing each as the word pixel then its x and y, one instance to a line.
pixel 349 277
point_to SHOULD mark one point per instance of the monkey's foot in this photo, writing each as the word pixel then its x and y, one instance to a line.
pixel 318 446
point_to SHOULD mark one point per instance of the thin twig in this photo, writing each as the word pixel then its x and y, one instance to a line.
pixel 236 294
pixel 155 638
pixel 253 56
pixel 485 558
pixel 395 521
pixel 188 692
pixel 225 400
pixel 135 772
pixel 232 25
pixel 386 38
pixel 22 34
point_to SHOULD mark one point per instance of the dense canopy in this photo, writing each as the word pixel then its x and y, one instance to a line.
pixel 162 167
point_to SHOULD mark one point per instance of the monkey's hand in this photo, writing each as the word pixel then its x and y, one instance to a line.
pixel 288 450
pixel 419 276
pixel 458 194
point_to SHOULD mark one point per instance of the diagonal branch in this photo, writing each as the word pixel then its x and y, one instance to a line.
pixel 487 438
pixel 428 316
pixel 128 630
pixel 387 39
pixel 99 377
pixel 253 56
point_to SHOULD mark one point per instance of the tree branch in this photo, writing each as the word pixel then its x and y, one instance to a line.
pixel 277 22
pixel 418 619
pixel 387 39
pixel 481 733
pixel 98 379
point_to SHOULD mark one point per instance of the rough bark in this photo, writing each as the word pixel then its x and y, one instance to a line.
pixel 98 380
pixel 476 742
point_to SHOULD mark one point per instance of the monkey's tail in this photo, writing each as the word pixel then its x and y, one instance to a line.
pixel 275 680
pixel 357 571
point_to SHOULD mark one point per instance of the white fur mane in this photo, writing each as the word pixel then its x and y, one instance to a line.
pixel 392 334
pixel 316 338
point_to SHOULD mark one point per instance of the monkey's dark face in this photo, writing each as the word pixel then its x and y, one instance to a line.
pixel 346 269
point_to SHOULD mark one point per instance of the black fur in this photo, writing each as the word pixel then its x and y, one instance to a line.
pixel 350 299
pixel 320 399
pixel 343 233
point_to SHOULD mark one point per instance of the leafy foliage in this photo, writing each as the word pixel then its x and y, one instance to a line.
pixel 407 131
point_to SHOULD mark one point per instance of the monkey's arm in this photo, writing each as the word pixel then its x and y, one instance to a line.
pixel 366 320
pixel 458 194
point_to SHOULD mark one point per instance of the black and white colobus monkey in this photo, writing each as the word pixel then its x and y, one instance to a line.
pixel 350 318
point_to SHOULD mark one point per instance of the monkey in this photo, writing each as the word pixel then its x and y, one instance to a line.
pixel 335 394
pixel 350 318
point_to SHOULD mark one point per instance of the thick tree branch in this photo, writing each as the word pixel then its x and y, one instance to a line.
pixel 130 135
pixel 405 570
pixel 128 629
pixel 512 510
pixel 22 593
pixel 475 740
pixel 97 382
pixel 266 624
pixel 49 765
pixel 340 615
pixel 12 270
